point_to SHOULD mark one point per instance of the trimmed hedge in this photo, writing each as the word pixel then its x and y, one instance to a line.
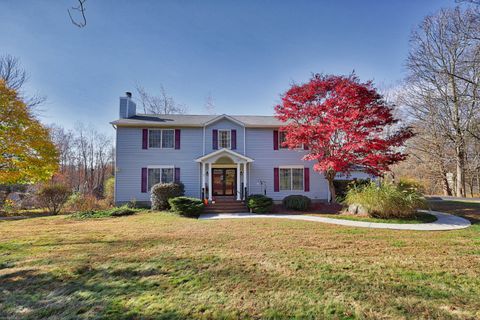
pixel 187 207
pixel 258 203
pixel 162 192
pixel 297 202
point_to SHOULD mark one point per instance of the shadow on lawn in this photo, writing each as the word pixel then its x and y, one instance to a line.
pixel 468 210
pixel 28 294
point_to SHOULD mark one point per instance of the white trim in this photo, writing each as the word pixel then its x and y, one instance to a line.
pixel 229 138
pixel 203 152
pixel 224 116
pixel 161 138
pixel 291 178
pixel 238 181
pixel 296 166
pixel 244 142
pixel 226 151
pixel 159 167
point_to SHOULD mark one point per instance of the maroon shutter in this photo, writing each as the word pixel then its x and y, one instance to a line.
pixel 145 139
pixel 144 180
pixel 177 138
pixel 215 139
pixel 276 180
pixel 234 139
pixel 177 175
pixel 305 146
pixel 275 139
pixel 306 179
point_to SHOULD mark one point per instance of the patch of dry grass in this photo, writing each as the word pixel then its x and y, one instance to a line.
pixel 155 265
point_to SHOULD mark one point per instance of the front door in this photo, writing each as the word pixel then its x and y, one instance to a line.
pixel 223 181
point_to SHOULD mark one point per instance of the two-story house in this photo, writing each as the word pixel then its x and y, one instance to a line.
pixel 212 155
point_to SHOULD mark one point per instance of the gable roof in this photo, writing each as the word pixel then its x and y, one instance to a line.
pixel 218 153
pixel 190 120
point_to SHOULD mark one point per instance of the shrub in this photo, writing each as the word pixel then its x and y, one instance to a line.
pixel 109 190
pixel 259 203
pixel 113 212
pixel 84 202
pixel 185 206
pixel 161 192
pixel 385 201
pixel 297 202
pixel 342 187
pixel 54 196
pixel 411 185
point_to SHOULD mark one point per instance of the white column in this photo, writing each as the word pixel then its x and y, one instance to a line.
pixel 244 179
pixel 238 181
pixel 210 182
pixel 203 177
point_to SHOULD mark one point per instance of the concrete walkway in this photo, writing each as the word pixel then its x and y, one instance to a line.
pixel 445 221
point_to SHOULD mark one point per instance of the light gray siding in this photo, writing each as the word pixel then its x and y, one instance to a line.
pixel 219 125
pixel 131 158
pixel 260 148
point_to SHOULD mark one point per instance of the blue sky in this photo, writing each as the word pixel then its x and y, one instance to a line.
pixel 243 53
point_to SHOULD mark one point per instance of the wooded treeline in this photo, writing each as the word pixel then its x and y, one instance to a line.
pixel 441 100
pixel 85 158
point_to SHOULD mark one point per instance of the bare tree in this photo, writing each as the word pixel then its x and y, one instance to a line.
pixel 80 10
pixel 442 57
pixel 159 104
pixel 86 157
pixel 15 76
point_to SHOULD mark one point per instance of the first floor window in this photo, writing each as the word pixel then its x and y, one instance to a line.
pixel 159 175
pixel 224 139
pixel 291 179
pixel 161 138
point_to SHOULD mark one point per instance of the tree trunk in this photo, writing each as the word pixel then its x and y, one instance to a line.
pixel 330 176
pixel 445 186
pixel 460 167
pixel 447 191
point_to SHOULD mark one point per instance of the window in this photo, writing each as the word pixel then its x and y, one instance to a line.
pixel 224 139
pixel 168 137
pixel 282 137
pixel 291 178
pixel 161 138
pixel 160 175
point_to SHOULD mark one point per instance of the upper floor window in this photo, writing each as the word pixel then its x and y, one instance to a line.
pixel 224 139
pixel 282 137
pixel 160 175
pixel 161 138
pixel 291 178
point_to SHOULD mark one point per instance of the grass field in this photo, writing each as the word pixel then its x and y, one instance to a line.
pixel 157 266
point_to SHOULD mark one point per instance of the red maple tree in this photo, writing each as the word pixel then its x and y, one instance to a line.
pixel 344 123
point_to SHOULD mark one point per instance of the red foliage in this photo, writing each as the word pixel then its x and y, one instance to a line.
pixel 343 122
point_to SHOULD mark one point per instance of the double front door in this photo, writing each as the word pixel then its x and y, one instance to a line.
pixel 224 181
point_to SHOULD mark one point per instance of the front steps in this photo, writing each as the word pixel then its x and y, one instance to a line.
pixel 226 206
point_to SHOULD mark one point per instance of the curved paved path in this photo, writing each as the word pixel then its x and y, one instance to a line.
pixel 444 221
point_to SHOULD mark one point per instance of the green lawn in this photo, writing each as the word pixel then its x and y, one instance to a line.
pixel 157 266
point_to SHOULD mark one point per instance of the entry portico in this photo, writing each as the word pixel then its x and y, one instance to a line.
pixel 219 172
